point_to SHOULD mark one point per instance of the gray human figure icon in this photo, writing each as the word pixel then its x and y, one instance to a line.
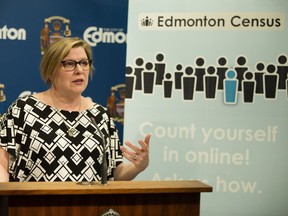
pixel 248 87
pixel 221 70
pixel 189 84
pixel 178 76
pixel 287 86
pixel 129 82
pixel 159 67
pixel 271 82
pixel 148 78
pixel 168 85
pixel 210 83
pixel 138 73
pixel 199 73
pixel 259 76
pixel 282 71
pixel 240 70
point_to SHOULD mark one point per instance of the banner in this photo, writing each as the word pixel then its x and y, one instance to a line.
pixel 28 27
pixel 208 80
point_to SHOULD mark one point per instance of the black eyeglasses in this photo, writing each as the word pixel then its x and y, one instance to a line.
pixel 70 65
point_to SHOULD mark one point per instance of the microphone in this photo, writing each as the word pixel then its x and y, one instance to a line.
pixel 104 161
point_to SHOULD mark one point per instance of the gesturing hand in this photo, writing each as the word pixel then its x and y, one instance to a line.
pixel 139 156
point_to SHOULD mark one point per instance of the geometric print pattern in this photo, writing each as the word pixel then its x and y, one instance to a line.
pixel 35 135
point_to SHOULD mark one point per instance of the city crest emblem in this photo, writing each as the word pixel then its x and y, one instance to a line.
pixel 2 97
pixel 55 28
pixel 115 102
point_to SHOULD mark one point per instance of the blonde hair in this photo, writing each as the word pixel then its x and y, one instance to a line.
pixel 56 52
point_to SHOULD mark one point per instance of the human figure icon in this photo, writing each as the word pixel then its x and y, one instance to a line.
pixel 259 74
pixel 230 87
pixel 248 87
pixel 287 86
pixel 129 80
pixel 240 70
pixel 148 78
pixel 199 73
pixel 189 84
pixel 221 70
pixel 271 82
pixel 168 85
pixel 178 76
pixel 159 68
pixel 282 71
pixel 210 83
pixel 138 73
pixel 147 21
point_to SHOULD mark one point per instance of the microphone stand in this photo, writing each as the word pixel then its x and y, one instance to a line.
pixel 104 161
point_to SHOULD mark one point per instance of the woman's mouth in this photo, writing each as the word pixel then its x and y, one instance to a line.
pixel 78 81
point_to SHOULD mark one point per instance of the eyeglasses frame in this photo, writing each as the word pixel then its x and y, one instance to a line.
pixel 76 62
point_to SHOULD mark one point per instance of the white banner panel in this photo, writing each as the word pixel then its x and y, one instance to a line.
pixel 208 80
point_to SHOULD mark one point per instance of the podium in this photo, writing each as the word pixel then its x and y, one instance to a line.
pixel 127 198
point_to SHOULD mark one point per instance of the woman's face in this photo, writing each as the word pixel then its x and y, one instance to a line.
pixel 72 82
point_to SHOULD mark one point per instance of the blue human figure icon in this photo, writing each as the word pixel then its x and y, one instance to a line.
pixel 230 87
pixel 248 87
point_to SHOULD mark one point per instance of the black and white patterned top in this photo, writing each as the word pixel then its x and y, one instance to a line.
pixel 35 135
